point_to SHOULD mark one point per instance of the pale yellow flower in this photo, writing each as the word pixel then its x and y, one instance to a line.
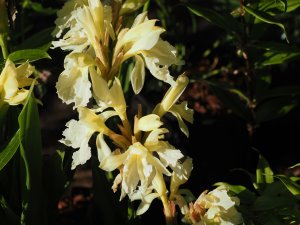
pixel 13 81
pixel 180 111
pixel 216 208
pixel 143 42
pixel 87 24
pixel 139 164
pixel 106 96
pixel 78 133
pixel 73 85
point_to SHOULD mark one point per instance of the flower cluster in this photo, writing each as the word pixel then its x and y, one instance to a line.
pixel 98 45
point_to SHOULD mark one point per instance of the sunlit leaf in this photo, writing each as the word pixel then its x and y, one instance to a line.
pixel 264 173
pixel 28 55
pixel 273 58
pixel 292 186
pixel 298 164
pixel 265 17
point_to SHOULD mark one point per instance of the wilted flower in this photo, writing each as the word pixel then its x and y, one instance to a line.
pixel 13 81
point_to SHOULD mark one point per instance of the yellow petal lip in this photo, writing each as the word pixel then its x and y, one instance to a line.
pixel 12 83
pixel 149 122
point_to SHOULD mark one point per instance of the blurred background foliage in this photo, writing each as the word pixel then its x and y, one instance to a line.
pixel 243 64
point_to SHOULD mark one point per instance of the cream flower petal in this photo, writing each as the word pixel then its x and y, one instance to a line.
pixel 81 156
pixel 103 149
pixel 130 175
pixel 181 124
pixel 77 135
pixel 159 184
pixel 145 204
pixel 112 162
pixel 154 136
pixel 184 112
pixel 119 103
pixel 164 52
pixel 138 75
pixel 171 156
pixel 158 165
pixel 142 17
pixel 64 16
pixel 19 98
pixel 180 175
pixel 23 72
pixel 149 122
pixel 92 120
pixel 8 80
pixel 73 85
pixel 147 41
pixel 172 95
pixel 108 97
pixel 160 72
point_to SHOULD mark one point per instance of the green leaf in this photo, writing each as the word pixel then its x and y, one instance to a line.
pixel 28 55
pixel 11 217
pixel 298 164
pixel 275 46
pixel 292 186
pixel 232 101
pixel 292 5
pixel 106 202
pixel 274 108
pixel 273 58
pixel 56 181
pixel 264 173
pixel 291 91
pixel 38 7
pixel 263 203
pixel 31 163
pixel 41 40
pixel 9 150
pixel 226 22
pixel 265 17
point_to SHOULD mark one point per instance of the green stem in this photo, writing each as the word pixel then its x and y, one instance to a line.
pixel 3 44
pixel 146 6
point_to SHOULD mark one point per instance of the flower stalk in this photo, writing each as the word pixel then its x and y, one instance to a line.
pixel 3 28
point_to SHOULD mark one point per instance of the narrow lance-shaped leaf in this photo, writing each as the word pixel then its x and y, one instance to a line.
pixel 9 150
pixel 28 55
pixel 31 163
pixel 226 22
pixel 265 17
pixel 292 186
pixel 264 173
